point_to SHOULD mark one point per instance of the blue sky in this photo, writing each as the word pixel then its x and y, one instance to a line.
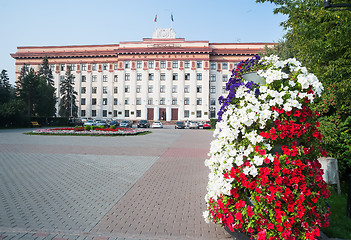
pixel 85 22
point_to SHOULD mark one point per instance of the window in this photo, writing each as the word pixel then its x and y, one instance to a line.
pixel 62 78
pixel 126 101
pixel 212 78
pixel 199 101
pixel 62 67
pixel 150 101
pixel 199 89
pixel 162 101
pixel 93 113
pixel 104 101
pixel 175 64
pixel 163 64
pixel 186 101
pixel 52 67
pixel 151 77
pixel 138 113
pixel 115 66
pixel 94 78
pixel 104 78
pixel 162 88
pixel 73 67
pixel 127 64
pixel 224 90
pixel 126 113
pixel 186 113
pixel 138 101
pixel 93 101
pixel 213 66
pixel 198 64
pixel 212 114
pixel 138 88
pixel 150 89
pixel 224 66
pixel 213 89
pixel 93 67
pixel 104 113
pixel 115 112
pixel 212 101
pixel 174 101
pixel 186 64
pixel 82 101
pixel 126 89
pixel 139 77
pixel 187 76
pixel 104 89
pixel 83 90
pixel 151 64
pixel 139 64
pixel 105 66
pixel 186 88
pixel 94 90
pixel 175 76
pixel 73 79
pixel 84 78
pixel 115 78
pixel 198 113
pixel 115 89
pixel 163 76
pixel 115 101
pixel 199 76
pixel 127 77
pixel 174 89
pixel 225 78
pixel 82 113
pixel 83 66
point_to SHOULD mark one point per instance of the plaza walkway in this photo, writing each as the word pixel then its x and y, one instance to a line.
pixel 136 187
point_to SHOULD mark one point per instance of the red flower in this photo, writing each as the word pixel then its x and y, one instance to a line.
pixel 279 228
pixel 262 152
pixel 297 113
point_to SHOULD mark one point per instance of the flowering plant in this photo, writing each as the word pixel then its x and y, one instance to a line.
pixel 96 132
pixel 265 178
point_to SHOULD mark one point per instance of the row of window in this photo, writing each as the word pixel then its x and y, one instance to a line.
pixel 150 101
pixel 151 89
pixel 127 113
pixel 127 65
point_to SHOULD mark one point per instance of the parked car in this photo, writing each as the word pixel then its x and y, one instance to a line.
pixel 101 123
pixel 187 123
pixel 179 125
pixel 200 124
pixel 192 125
pixel 143 124
pixel 157 124
pixel 207 125
pixel 126 123
pixel 75 122
pixel 89 123
pixel 114 123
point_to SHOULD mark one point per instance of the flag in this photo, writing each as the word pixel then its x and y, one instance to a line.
pixel 155 18
pixel 172 17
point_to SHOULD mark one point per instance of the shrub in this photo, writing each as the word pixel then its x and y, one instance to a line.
pixel 87 127
pixel 113 127
pixel 213 122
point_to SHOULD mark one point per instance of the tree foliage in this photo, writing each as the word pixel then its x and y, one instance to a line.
pixel 5 87
pixel 68 106
pixel 46 72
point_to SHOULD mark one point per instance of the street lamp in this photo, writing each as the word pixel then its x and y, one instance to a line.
pixel 336 7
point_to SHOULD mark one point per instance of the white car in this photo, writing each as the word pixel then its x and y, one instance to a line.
pixel 89 123
pixel 157 125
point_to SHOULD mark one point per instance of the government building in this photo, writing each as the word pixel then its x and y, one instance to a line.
pixel 159 78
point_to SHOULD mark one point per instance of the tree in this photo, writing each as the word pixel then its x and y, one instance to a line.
pixel 5 87
pixel 26 88
pixel 68 107
pixel 46 72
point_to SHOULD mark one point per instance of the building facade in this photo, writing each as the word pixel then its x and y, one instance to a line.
pixel 158 78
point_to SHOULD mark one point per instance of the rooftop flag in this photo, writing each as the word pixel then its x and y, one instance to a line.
pixel 172 16
pixel 155 18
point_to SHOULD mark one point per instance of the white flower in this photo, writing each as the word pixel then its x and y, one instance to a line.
pixel 257 160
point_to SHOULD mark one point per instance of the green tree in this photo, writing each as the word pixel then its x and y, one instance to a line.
pixel 5 87
pixel 320 39
pixel 68 107
pixel 27 88
pixel 46 72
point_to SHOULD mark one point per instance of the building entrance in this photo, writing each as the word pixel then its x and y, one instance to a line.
pixel 150 114
pixel 162 115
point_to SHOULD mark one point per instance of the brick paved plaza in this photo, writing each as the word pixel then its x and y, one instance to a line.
pixel 82 187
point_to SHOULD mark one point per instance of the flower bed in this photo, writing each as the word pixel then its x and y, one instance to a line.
pixel 80 131
pixel 265 178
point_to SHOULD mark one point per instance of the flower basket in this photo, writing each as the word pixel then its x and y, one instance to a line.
pixel 265 179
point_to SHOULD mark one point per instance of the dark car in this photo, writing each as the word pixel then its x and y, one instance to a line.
pixel 114 123
pixel 180 125
pixel 126 123
pixel 143 124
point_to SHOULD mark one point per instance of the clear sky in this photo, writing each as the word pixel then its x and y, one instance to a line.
pixel 85 22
